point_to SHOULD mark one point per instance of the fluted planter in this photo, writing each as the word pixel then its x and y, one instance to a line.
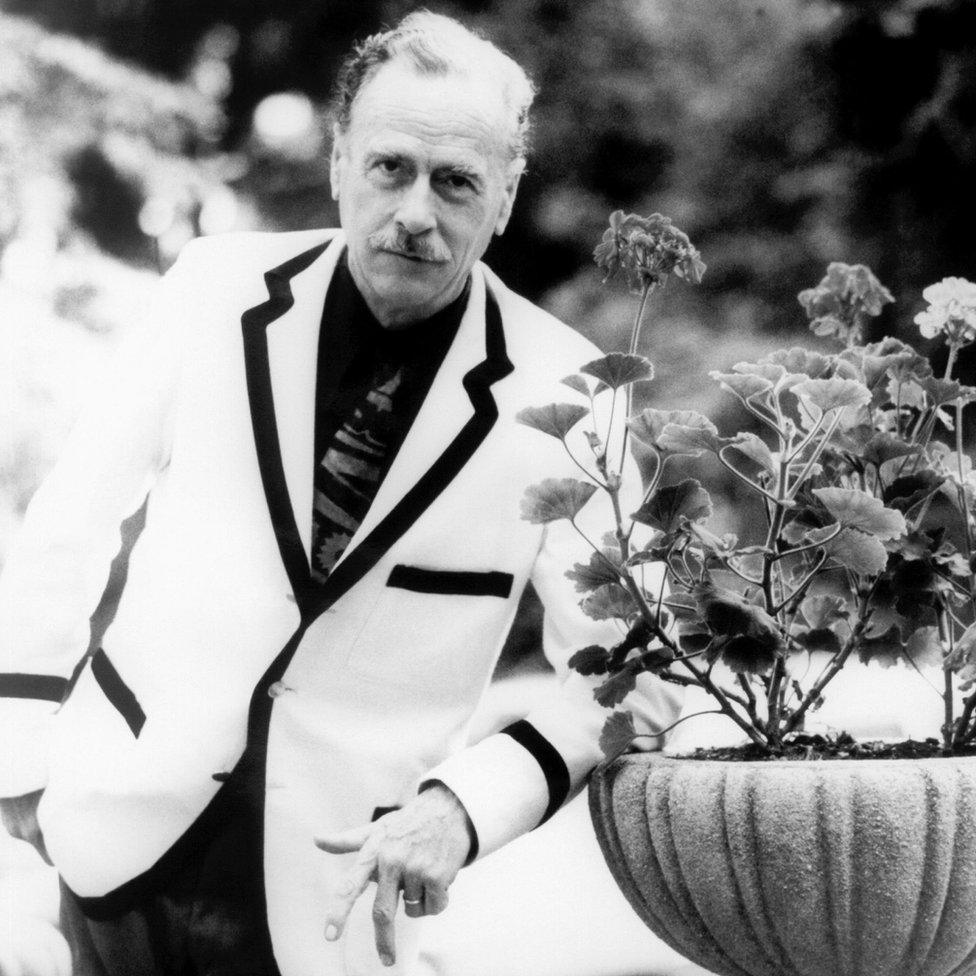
pixel 834 868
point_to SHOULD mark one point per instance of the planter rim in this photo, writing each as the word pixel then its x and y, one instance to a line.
pixel 818 764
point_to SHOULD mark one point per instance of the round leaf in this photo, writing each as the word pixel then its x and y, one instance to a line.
pixel 618 733
pixel 857 509
pixel 555 419
pixel 671 506
pixel 617 369
pixel 554 499
pixel 832 394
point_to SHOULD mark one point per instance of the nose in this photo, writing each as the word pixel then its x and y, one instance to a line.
pixel 415 211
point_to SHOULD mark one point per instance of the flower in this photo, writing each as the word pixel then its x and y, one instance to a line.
pixel 647 250
pixel 951 311
pixel 845 297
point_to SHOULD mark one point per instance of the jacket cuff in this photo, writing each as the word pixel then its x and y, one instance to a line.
pixel 502 785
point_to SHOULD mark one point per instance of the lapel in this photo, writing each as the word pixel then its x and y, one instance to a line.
pixel 280 343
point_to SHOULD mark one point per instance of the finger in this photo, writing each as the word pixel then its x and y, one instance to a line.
pixel 340 905
pixel 344 841
pixel 384 911
pixel 435 900
pixel 413 897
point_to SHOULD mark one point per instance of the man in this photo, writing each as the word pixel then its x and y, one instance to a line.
pixel 333 553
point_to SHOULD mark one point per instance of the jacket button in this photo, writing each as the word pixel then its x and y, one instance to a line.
pixel 277 689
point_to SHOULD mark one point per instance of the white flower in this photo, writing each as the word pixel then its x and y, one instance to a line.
pixel 952 311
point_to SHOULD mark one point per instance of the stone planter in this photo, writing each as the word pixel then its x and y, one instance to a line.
pixel 835 868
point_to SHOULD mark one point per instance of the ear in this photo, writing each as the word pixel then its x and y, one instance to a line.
pixel 515 170
pixel 336 161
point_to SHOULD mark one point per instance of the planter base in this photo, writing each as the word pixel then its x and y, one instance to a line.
pixel 841 868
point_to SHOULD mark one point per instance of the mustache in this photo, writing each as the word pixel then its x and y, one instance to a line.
pixel 401 242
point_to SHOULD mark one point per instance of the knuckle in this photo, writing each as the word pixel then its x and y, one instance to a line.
pixel 382 915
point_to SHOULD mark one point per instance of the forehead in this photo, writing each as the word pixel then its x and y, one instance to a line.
pixel 436 115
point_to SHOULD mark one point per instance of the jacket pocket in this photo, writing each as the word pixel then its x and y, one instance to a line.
pixel 117 692
pixel 451 582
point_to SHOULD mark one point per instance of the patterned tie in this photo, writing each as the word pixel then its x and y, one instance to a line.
pixel 349 473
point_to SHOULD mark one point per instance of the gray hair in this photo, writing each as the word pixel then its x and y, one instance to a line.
pixel 437 45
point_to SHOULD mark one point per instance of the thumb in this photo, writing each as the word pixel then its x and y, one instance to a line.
pixel 343 841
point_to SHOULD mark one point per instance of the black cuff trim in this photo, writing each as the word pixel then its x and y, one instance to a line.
pixel 42 687
pixel 117 692
pixel 545 754
pixel 451 582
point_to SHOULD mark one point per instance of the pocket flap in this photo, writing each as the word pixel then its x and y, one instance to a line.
pixel 451 582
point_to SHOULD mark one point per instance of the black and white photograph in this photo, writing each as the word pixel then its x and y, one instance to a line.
pixel 486 488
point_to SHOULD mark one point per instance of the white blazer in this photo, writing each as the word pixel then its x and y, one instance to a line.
pixel 350 695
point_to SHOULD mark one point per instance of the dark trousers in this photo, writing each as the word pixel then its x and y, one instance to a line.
pixel 199 912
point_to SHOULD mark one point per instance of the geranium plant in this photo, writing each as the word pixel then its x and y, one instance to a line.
pixel 858 477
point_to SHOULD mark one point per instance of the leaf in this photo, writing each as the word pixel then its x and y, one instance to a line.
pixel 609 602
pixel 618 686
pixel 650 424
pixel 554 499
pixel 884 447
pixel 578 383
pixel 618 733
pixel 745 654
pixel 590 660
pixel 743 386
pixel 857 509
pixel 962 659
pixel 853 549
pixel 832 394
pixel 692 438
pixel 755 449
pixel 729 614
pixel 905 493
pixel 941 391
pixel 617 369
pixel 800 360
pixel 555 419
pixel 671 506
pixel 823 610
pixel 818 639
pixel 924 647
pixel 884 647
pixel 600 570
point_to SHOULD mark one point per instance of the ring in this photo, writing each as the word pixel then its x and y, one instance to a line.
pixel 407 901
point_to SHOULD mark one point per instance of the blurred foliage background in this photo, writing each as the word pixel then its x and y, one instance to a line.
pixel 780 134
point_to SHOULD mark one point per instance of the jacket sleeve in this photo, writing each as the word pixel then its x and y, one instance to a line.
pixel 58 566
pixel 513 781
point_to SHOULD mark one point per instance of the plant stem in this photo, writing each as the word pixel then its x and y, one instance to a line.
pixel 838 662
pixel 948 723
pixel 632 349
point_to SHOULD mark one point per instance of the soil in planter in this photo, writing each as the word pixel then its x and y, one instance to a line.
pixel 814 748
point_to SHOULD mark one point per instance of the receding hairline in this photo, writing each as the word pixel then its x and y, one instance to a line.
pixel 433 45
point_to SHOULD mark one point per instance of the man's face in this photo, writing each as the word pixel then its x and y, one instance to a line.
pixel 423 180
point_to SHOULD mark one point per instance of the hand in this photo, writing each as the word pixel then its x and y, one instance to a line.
pixel 418 850
pixel 20 820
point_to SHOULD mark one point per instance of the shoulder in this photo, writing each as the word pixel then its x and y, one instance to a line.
pixel 537 342
pixel 247 250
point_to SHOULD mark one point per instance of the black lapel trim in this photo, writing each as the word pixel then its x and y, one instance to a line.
pixel 42 687
pixel 118 693
pixel 247 780
pixel 477 382
pixel 255 322
pixel 545 754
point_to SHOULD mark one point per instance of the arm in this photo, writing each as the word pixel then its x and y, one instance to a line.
pixel 57 568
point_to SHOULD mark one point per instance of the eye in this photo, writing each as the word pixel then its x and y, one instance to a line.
pixel 457 183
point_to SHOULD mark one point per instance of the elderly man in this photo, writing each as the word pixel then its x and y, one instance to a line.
pixel 333 553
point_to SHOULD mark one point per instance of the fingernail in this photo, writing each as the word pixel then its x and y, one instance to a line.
pixel 386 960
pixel 331 933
